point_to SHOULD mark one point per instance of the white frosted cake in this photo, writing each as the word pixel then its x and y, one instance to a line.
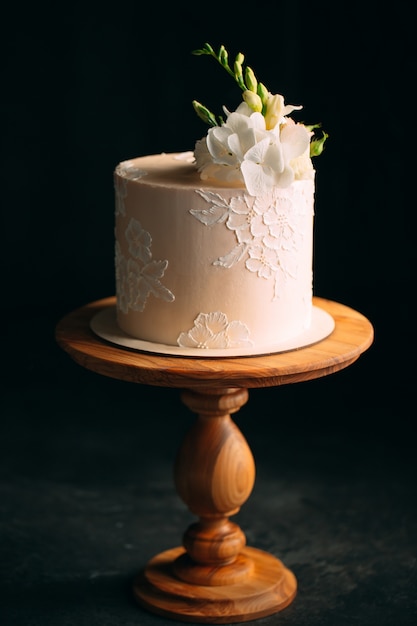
pixel 214 247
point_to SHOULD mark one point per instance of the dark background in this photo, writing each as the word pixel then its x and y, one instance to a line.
pixel 85 462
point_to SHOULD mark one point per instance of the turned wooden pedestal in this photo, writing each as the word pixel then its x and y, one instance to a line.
pixel 213 577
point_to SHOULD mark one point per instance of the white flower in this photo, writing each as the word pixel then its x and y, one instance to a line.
pixel 230 152
pixel 276 110
pixel 264 167
pixel 302 166
pixel 242 150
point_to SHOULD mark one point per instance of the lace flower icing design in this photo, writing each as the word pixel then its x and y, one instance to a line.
pixel 266 229
pixel 139 276
pixel 213 330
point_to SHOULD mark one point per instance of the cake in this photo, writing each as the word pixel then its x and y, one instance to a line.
pixel 214 247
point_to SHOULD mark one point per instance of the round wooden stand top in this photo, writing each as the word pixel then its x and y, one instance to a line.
pixel 353 334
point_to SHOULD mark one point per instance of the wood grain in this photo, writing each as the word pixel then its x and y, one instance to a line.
pixel 353 335
pixel 214 475
pixel 269 589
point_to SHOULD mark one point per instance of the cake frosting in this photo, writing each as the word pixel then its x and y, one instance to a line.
pixel 214 247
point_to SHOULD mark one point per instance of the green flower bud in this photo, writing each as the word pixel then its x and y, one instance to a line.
pixel 317 145
pixel 239 73
pixel 206 49
pixel 238 70
pixel 223 56
pixel 252 100
pixel 250 80
pixel 204 114
pixel 263 93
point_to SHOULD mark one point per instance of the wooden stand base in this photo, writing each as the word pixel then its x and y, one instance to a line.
pixel 214 578
pixel 267 589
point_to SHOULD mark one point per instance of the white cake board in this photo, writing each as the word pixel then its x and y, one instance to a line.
pixel 104 324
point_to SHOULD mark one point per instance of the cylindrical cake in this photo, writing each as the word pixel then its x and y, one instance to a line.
pixel 203 265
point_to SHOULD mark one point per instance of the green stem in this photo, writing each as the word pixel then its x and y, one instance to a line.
pixel 208 50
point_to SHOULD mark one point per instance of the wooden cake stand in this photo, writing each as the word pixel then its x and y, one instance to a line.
pixel 214 577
